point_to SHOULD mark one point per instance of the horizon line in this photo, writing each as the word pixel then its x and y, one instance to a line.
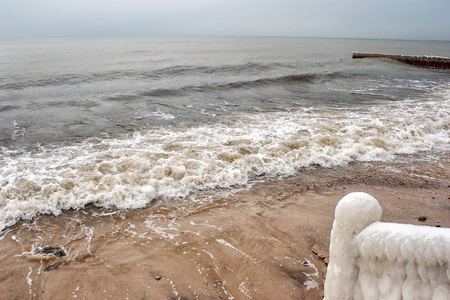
pixel 217 36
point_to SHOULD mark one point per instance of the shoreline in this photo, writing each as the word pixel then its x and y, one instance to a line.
pixel 266 242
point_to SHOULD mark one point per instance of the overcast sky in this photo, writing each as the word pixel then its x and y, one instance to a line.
pixel 393 19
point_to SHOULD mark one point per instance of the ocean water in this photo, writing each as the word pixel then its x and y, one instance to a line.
pixel 120 123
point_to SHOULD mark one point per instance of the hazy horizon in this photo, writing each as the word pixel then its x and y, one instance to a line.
pixel 213 37
pixel 396 19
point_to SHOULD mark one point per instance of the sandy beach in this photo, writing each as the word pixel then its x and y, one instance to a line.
pixel 267 242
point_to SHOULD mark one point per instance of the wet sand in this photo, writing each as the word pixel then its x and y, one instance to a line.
pixel 268 242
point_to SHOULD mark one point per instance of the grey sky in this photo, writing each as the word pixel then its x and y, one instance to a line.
pixel 394 19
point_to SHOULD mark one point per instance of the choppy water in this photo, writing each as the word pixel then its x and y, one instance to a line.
pixel 121 122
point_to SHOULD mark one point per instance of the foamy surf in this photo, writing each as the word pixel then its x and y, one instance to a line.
pixel 170 162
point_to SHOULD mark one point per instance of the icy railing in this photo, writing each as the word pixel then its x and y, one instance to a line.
pixel 375 260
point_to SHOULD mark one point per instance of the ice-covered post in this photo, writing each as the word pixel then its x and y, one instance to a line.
pixel 377 260
pixel 353 213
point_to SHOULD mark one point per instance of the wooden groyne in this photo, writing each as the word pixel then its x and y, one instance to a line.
pixel 434 62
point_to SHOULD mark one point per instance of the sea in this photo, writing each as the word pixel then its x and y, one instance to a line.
pixel 121 123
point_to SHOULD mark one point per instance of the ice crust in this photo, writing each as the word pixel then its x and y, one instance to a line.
pixel 376 260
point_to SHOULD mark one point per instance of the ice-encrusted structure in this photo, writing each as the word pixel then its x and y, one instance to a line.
pixel 376 260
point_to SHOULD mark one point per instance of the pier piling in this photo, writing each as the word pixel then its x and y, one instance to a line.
pixel 434 62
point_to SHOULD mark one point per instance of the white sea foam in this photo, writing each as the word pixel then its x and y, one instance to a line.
pixel 160 115
pixel 311 283
pixel 131 171
pixel 30 282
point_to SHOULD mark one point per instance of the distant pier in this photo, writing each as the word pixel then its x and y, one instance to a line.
pixel 434 62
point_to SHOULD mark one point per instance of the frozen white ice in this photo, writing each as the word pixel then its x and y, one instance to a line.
pixel 370 259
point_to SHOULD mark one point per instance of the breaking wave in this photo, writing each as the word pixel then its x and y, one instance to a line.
pixel 173 71
pixel 170 162
pixel 236 85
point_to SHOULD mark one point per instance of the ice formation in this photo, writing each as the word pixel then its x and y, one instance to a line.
pixel 375 260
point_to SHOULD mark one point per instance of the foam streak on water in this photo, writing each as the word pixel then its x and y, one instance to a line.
pixel 168 162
